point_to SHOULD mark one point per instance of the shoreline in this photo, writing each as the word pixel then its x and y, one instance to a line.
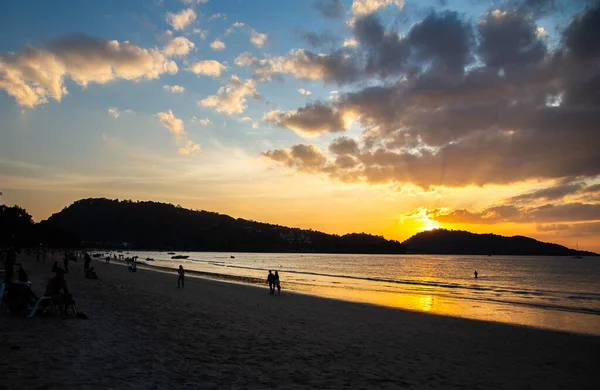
pixel 143 333
pixel 531 315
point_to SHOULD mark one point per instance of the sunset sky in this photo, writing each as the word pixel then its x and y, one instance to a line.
pixel 381 116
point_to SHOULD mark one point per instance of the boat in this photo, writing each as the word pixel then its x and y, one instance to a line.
pixel 578 256
pixel 170 253
pixel 149 259
pixel 179 257
pixel 232 257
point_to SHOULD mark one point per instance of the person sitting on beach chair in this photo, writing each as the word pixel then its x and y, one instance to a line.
pixel 53 290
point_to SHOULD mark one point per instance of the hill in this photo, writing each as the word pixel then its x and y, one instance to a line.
pixel 153 225
pixel 442 241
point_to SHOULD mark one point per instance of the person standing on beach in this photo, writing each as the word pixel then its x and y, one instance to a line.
pixel 270 280
pixel 180 278
pixel 276 283
pixel 475 273
pixel 86 263
pixel 66 262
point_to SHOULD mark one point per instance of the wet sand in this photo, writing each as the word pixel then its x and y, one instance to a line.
pixel 144 333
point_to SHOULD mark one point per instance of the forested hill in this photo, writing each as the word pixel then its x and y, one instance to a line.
pixel 442 241
pixel 153 225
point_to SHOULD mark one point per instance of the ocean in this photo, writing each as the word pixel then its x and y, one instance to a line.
pixel 557 293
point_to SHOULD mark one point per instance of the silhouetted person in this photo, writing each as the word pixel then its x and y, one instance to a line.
pixel 9 263
pixel 22 274
pixel 180 278
pixel 276 283
pixel 53 290
pixel 55 266
pixel 475 273
pixel 86 263
pixel 270 280
pixel 66 262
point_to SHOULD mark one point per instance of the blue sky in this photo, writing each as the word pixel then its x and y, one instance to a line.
pixel 276 111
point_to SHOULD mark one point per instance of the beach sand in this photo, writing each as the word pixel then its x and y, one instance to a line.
pixel 144 333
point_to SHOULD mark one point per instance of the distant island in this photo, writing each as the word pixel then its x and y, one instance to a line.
pixel 107 223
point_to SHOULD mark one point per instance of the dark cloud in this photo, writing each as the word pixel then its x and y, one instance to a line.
pixel 317 39
pixel 581 36
pixel 344 145
pixel 444 40
pixel 520 113
pixel 311 120
pixel 550 193
pixel 387 51
pixel 330 8
pixel 509 39
pixel 569 212
pixel 304 158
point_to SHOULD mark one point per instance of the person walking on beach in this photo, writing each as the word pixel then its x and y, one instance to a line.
pixel 270 280
pixel 475 273
pixel 276 283
pixel 180 278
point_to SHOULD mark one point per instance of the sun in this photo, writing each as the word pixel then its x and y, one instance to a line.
pixel 430 225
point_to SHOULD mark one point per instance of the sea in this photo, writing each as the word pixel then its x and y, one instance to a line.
pixel 549 292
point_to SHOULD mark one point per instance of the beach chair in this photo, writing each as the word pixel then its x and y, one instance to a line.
pixel 37 304
pixel 42 299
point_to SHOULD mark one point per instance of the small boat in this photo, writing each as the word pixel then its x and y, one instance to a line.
pixel 578 256
pixel 149 259
pixel 179 257
pixel 170 253
pixel 233 257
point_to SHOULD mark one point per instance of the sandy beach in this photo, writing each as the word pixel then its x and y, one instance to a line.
pixel 144 333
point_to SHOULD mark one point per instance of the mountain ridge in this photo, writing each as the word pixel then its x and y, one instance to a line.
pixel 104 221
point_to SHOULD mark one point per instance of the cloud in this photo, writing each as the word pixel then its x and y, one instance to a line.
pixel 550 193
pixel 508 39
pixel 217 16
pixel 449 105
pixel 304 158
pixel 179 46
pixel 202 121
pixel 257 39
pixel 202 33
pixel 217 45
pixel 311 120
pixel 231 99
pixel 33 75
pixel 114 112
pixel 366 7
pixel 315 40
pixel 182 19
pixel 176 127
pixel 303 64
pixel 305 92
pixel 174 88
pixel 194 1
pixel 330 8
pixel 208 68
pixel 548 213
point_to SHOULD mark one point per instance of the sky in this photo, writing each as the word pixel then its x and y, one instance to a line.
pixel 387 117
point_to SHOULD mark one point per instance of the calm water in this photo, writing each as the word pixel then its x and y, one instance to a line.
pixel 557 293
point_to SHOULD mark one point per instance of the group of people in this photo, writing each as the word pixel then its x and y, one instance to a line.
pixel 273 281
pixel 19 294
